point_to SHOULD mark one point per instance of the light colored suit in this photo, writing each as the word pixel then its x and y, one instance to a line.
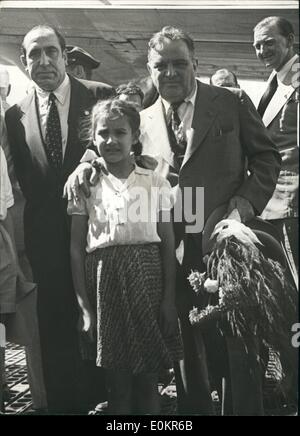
pixel 280 118
pixel 225 130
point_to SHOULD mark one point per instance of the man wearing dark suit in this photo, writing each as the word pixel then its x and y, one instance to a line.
pixel 46 149
pixel 219 129
pixel 274 40
pixel 200 136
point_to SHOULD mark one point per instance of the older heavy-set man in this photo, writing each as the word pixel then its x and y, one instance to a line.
pixel 45 145
pixel 200 136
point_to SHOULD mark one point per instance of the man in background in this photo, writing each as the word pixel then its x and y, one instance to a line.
pixel 274 40
pixel 80 63
pixel 225 78
pixel 132 93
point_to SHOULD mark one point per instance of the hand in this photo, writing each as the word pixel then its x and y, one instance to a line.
pixel 168 319
pixel 80 180
pixel 87 324
pixel 243 206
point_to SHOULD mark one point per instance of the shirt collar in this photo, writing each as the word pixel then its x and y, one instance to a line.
pixel 285 69
pixel 189 99
pixel 60 93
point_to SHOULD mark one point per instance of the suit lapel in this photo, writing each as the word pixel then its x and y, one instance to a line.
pixel 281 96
pixel 29 119
pixel 204 115
pixel 81 102
pixel 276 104
pixel 155 134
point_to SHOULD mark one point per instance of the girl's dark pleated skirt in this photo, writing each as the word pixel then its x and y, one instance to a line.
pixel 125 284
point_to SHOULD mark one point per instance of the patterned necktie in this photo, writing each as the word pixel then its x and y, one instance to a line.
pixel 176 134
pixel 267 96
pixel 53 142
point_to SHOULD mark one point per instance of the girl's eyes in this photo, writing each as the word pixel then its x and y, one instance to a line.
pixel 105 133
pixel 120 132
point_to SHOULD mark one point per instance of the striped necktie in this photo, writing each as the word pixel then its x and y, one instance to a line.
pixel 53 141
pixel 175 132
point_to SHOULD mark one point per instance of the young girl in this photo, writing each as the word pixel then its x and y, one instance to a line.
pixel 125 282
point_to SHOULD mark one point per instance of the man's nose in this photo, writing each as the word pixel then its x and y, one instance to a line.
pixel 44 60
pixel 261 49
pixel 171 71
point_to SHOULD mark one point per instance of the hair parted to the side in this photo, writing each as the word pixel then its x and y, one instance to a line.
pixel 284 26
pixel 174 34
pixel 114 108
pixel 60 37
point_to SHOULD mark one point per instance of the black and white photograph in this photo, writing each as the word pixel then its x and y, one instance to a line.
pixel 149 230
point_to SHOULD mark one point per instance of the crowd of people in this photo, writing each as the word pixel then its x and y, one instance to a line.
pixel 107 251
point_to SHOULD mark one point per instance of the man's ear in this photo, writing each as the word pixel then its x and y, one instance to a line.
pixel 291 39
pixel 195 64
pixel 149 68
pixel 65 57
pixel 8 90
pixel 23 60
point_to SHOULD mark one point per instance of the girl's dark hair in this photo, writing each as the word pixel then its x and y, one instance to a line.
pixel 116 108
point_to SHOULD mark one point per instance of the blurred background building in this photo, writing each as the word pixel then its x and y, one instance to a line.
pixel 116 32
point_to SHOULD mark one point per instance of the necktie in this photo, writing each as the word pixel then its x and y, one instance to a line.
pixel 268 94
pixel 53 142
pixel 176 134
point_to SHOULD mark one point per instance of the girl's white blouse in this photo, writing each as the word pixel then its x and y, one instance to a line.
pixel 124 212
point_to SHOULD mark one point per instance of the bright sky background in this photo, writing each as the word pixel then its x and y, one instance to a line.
pixel 20 83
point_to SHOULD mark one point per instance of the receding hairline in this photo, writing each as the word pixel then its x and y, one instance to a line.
pixel 51 29
pixel 172 34
pixel 284 26
pixel 225 72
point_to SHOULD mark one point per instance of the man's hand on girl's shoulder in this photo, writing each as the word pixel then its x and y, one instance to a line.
pixel 80 180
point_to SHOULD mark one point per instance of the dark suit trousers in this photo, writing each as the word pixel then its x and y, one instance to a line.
pixel 288 229
pixel 57 316
pixel 72 385
pixel 193 387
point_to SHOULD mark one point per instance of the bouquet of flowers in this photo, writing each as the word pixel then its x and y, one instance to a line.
pixel 249 290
